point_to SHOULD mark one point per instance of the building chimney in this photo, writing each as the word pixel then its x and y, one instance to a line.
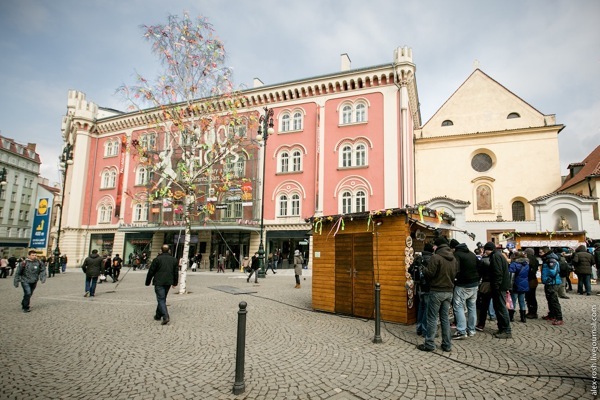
pixel 345 62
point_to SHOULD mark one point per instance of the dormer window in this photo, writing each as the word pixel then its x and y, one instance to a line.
pixel 513 115
pixel 447 123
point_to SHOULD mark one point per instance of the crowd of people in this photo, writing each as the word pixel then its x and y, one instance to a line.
pixel 454 282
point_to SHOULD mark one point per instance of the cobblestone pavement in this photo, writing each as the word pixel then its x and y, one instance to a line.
pixel 109 347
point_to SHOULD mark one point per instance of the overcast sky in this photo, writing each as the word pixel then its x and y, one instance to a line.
pixel 545 51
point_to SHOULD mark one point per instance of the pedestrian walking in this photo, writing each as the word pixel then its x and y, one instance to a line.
pixel 4 267
pixel 29 272
pixel 12 264
pixel 163 273
pixel 117 264
pixel 270 264
pixel 92 267
pixel 63 263
pixel 298 262
pixel 255 265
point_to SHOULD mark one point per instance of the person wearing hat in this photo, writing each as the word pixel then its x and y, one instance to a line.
pixel 551 280
pixel 500 285
pixel 440 273
pixel 298 262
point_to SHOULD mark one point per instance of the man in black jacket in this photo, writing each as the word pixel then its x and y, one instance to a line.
pixel 165 271
pixel 500 285
pixel 465 291
pixel 93 267
pixel 440 273
pixel 534 266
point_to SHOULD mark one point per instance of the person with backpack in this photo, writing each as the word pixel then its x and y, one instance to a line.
pixel 29 272
pixel 551 280
pixel 422 287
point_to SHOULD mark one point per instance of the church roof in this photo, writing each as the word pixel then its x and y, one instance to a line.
pixel 590 169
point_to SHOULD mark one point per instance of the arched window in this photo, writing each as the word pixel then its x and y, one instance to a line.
pixel 105 213
pixel 518 211
pixel 296 161
pixel 295 205
pixel 284 163
pixel 360 201
pixel 347 114
pixel 361 112
pixel 346 202
pixel 447 123
pixel 285 123
pixel 140 212
pixel 513 115
pixel 297 121
pixel 346 156
pixel 283 205
pixel 113 179
pixel 361 155
pixel 141 176
pixel 108 148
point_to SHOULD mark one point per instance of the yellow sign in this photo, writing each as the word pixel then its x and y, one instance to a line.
pixel 42 207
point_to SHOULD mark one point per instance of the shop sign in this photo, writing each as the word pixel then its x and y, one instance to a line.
pixel 221 206
pixel 247 204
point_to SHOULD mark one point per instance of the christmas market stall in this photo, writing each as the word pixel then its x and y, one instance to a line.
pixel 564 242
pixel 353 252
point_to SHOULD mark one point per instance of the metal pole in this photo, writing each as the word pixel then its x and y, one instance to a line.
pixel 239 386
pixel 261 247
pixel 377 338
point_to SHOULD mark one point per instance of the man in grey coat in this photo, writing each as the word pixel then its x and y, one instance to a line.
pixel 29 272
pixel 163 273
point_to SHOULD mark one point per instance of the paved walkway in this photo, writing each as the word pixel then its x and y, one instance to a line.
pixel 109 347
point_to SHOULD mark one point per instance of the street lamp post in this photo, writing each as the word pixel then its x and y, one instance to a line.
pixel 265 129
pixel 66 159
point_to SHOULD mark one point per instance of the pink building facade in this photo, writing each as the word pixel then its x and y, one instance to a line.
pixel 342 143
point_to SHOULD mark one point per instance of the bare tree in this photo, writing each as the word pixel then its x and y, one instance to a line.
pixel 195 119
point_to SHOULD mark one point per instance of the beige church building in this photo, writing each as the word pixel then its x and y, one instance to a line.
pixel 492 161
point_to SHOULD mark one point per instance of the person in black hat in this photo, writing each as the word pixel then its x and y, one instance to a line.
pixel 440 273
pixel 500 284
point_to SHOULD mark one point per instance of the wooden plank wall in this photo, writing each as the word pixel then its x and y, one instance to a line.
pixel 389 243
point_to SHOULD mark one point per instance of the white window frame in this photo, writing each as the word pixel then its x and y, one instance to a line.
pixel 284 162
pixel 353 200
pixel 297 121
pixel 105 213
pixel 141 176
pixel 295 205
pixel 140 212
pixel 296 161
pixel 282 206
pixel 285 122
pixel 353 112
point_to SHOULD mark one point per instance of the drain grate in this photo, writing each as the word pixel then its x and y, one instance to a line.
pixel 232 289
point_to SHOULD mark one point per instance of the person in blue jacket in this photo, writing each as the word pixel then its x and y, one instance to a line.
pixel 520 268
pixel 551 280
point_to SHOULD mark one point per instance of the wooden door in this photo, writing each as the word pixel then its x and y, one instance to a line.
pixel 354 291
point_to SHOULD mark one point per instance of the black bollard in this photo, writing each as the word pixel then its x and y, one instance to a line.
pixel 239 386
pixel 377 338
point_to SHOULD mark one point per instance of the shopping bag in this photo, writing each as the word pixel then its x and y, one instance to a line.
pixel 509 302
pixel 102 278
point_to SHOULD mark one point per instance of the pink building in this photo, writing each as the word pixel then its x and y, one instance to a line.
pixel 342 143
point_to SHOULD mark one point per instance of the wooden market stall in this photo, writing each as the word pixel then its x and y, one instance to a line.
pixel 353 252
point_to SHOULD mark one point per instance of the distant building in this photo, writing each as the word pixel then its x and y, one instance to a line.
pixel 491 160
pixel 18 195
